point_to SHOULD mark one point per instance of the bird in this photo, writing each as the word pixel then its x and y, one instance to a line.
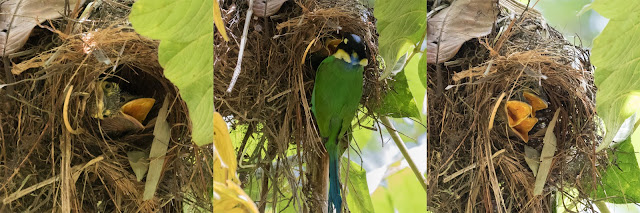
pixel 336 95
pixel 120 111
pixel 110 98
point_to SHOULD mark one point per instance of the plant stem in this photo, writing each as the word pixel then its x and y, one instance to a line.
pixel 403 149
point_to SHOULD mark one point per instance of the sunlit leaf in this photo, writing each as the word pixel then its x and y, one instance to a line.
pixel 621 178
pixel 422 71
pixel 358 197
pixel 399 101
pixel 406 193
pixel 229 197
pixel 416 73
pixel 615 53
pixel 401 25
pixel 224 163
pixel 382 200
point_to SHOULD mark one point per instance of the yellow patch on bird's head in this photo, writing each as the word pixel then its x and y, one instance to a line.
pixel 364 62
pixel 341 54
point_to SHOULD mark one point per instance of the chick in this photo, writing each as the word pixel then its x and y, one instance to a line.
pixel 110 99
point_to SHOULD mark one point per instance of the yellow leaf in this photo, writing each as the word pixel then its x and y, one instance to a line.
pixel 229 197
pixel 224 159
pixel 217 20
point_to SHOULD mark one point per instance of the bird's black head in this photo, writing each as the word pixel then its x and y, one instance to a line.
pixel 354 50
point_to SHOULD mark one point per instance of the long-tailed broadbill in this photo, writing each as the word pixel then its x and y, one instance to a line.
pixel 336 96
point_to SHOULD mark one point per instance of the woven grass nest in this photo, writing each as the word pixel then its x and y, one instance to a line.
pixel 49 165
pixel 476 163
pixel 273 92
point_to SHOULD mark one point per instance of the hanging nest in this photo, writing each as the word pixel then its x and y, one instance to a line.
pixel 57 154
pixel 501 98
pixel 273 92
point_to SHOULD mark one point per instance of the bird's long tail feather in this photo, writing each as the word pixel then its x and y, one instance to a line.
pixel 334 184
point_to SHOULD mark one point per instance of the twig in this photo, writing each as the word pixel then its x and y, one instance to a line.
pixel 439 77
pixel 470 167
pixel 247 134
pixel 243 42
pixel 495 110
pixel 403 149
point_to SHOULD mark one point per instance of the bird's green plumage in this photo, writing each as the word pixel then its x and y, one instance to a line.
pixel 336 96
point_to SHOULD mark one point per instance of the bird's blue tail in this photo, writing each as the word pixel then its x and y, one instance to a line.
pixel 334 184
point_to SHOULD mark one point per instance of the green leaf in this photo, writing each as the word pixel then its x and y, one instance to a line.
pixel 382 200
pixel 621 178
pixel 415 70
pixel 615 53
pixel 422 71
pixel 399 102
pixel 186 53
pixel 408 196
pixel 358 197
pixel 401 25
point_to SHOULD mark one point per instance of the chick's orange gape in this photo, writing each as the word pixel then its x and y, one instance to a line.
pixel 521 115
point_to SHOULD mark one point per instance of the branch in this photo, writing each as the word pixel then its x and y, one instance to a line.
pixel 243 42
pixel 403 149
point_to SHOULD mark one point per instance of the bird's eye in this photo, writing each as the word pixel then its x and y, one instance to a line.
pixel 107 86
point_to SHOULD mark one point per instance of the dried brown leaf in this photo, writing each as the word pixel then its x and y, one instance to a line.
pixel 19 17
pixel 548 150
pixel 456 24
pixel 162 134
